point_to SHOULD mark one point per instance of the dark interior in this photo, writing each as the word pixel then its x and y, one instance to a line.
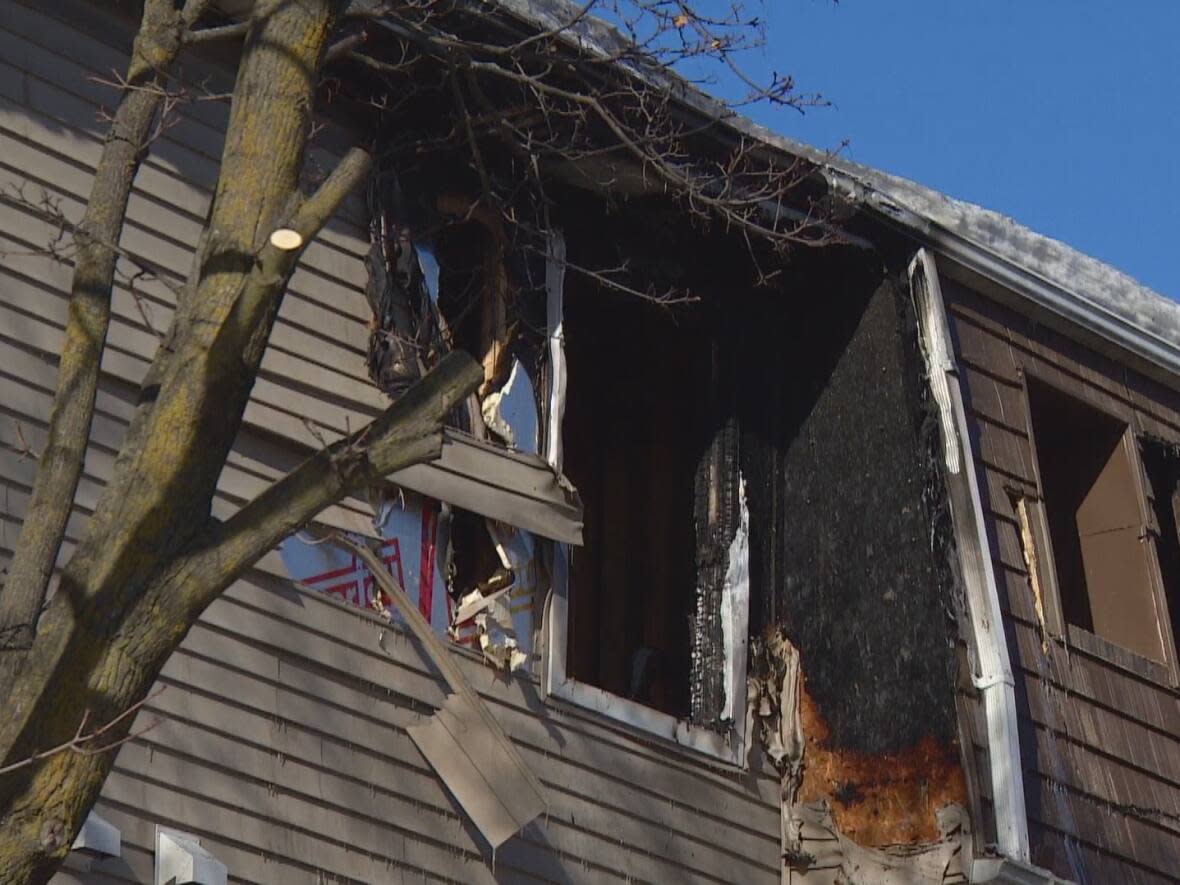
pixel 1095 521
pixel 635 417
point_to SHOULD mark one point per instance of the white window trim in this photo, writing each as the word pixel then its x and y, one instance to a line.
pixel 729 746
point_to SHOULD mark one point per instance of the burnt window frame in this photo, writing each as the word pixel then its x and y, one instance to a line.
pixel 727 746
pixel 1163 672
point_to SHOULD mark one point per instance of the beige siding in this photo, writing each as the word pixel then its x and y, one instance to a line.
pixel 1100 744
pixel 282 737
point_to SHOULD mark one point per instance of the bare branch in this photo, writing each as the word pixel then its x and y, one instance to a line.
pixel 84 743
pixel 236 31
pixel 407 433
pixel 60 467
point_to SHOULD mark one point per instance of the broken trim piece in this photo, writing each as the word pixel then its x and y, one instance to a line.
pixel 513 487
pixel 463 742
pixel 555 331
pixel 735 610
pixel 993 676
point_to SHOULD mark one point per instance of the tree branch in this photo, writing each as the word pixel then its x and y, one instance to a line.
pixel 276 261
pixel 407 433
pixel 82 739
pixel 23 593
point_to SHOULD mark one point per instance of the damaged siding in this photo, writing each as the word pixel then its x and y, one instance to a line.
pixel 852 566
pixel 1099 727
pixel 284 736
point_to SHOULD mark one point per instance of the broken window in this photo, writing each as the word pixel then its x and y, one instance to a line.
pixel 1099 528
pixel 650 441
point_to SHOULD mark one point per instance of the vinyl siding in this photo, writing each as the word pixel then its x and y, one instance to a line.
pixel 281 738
pixel 1100 743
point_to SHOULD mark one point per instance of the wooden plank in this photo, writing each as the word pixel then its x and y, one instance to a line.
pixel 995 400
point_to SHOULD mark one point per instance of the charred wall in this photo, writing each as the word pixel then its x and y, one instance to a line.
pixel 850 542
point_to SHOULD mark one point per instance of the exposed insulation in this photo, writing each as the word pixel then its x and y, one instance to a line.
pixel 880 799
pixel 850 540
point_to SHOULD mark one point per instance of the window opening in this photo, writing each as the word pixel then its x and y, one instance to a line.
pixel 1096 521
pixel 645 447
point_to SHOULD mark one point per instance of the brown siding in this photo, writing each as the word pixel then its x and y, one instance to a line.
pixel 282 739
pixel 1100 743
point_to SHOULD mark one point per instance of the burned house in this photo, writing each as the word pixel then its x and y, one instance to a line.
pixel 854 564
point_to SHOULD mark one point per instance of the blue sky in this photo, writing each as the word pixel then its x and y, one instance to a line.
pixel 1064 115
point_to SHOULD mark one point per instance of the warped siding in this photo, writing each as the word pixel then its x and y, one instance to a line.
pixel 282 739
pixel 1100 742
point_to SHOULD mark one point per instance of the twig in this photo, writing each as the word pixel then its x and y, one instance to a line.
pixel 79 742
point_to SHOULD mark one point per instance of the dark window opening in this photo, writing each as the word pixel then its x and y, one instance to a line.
pixel 1095 520
pixel 638 434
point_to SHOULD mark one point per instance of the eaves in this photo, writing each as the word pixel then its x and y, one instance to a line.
pixel 1079 295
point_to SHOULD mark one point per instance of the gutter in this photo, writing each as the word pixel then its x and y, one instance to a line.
pixel 1003 871
pixel 991 667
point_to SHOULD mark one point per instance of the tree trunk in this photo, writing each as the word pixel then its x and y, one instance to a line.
pixel 138 581
pixel 60 464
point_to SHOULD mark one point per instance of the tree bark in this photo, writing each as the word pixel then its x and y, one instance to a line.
pixel 60 464
pixel 152 558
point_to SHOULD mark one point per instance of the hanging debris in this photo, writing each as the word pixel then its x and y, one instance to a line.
pixel 406 337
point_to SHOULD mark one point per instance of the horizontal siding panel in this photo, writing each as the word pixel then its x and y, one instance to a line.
pixel 982 348
pixel 1003 450
pixel 1049 850
pixel 1016 593
pixel 1122 836
pixel 1099 684
pixel 244 841
pixel 91 61
pixel 292 793
pixel 42 274
pixel 244 476
pixel 609 806
pixel 62 127
pixel 260 616
pixel 276 407
pixel 1106 780
pixel 1122 740
pixel 995 400
pixel 335 620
